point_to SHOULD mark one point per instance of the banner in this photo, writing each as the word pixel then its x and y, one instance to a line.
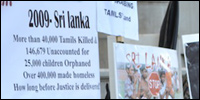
pixel 49 50
pixel 145 72
pixel 119 18
pixel 191 54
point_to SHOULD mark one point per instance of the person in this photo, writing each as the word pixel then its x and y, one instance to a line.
pixel 129 83
pixel 162 91
pixel 166 64
pixel 143 91
pixel 175 81
pixel 137 76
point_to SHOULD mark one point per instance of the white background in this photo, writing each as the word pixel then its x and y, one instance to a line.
pixel 15 20
pixel 116 26
pixel 121 50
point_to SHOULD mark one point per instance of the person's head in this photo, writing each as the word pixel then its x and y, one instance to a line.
pixel 129 70
pixel 162 76
pixel 135 69
pixel 174 72
pixel 144 72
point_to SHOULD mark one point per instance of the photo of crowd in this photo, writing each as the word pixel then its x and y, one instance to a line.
pixel 133 82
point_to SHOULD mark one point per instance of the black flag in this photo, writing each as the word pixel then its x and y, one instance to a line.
pixel 169 29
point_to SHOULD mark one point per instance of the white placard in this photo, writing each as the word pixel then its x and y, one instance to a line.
pixel 49 50
pixel 119 18
pixel 191 55
pixel 145 72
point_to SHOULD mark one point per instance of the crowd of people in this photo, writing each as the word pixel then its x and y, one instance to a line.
pixel 136 84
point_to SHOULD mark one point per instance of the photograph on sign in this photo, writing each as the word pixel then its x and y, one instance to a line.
pixel 191 52
pixel 145 72
pixel 118 18
pixel 49 50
